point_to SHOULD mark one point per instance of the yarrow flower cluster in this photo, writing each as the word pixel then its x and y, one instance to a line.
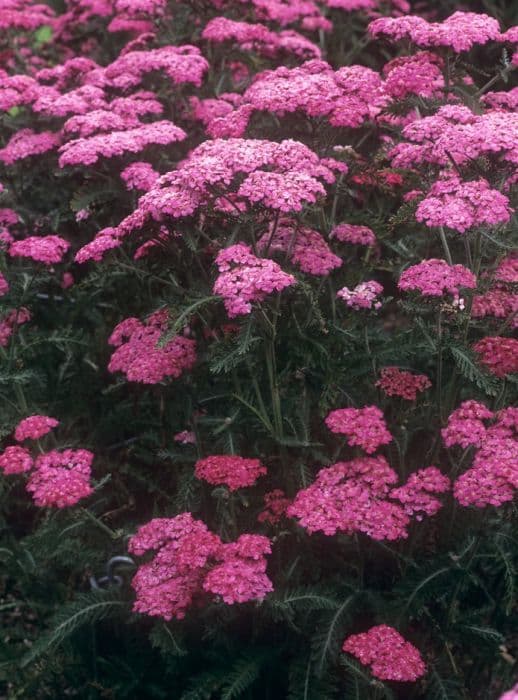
pixel 191 560
pixel 61 479
pixel 231 470
pixel 435 278
pixel 15 460
pixel 461 206
pixel 389 655
pixel 364 427
pixel 363 296
pixel 492 478
pixel 396 382
pixel 45 249
pixel 306 247
pixel 34 427
pixel 354 234
pixel 139 354
pixel 13 320
pixel 357 496
pixel 498 354
pixel 460 32
pixel 244 279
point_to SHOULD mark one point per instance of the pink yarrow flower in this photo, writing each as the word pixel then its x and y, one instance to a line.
pixel 44 249
pixel 389 655
pixel 396 382
pixel 61 479
pixel 34 427
pixel 231 470
pixel 363 296
pixel 364 427
pixel 15 460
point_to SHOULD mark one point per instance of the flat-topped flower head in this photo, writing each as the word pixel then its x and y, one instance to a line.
pixel 61 479
pixel 191 560
pixel 231 470
pixel 389 655
pixel 396 382
pixel 461 206
pixel 34 427
pixel 436 278
pixel 359 496
pixel 245 279
pixel 140 356
pixel 354 234
pixel 15 460
pixel 364 427
pixel 45 249
pixel 498 354
pixel 25 143
pixel 466 425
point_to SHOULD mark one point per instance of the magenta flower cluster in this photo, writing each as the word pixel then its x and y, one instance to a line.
pixel 364 427
pixel 231 470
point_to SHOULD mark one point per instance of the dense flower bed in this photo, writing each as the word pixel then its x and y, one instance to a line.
pixel 259 294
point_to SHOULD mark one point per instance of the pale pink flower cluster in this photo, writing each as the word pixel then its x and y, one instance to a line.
pixel 456 133
pixel 396 382
pixel 460 31
pixel 498 354
pixel 141 358
pixel 190 559
pixel 389 655
pixel 357 496
pixel 275 506
pixel 14 318
pixel 364 427
pixel 492 478
pixel 181 64
pixel 209 174
pixel 34 427
pixel 363 296
pixel 231 470
pixel 61 479
pixel 461 206
pixel 45 249
pixel 139 176
pixel 245 279
pixel 498 303
pixel 353 5
pixel 435 278
pixel 86 151
pixel 257 37
pixel 15 460
pixel 419 74
pixel 25 143
pixel 354 234
pixel 346 97
pixel 304 246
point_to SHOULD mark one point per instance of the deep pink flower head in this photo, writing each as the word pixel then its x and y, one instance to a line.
pixel 465 425
pixel 13 319
pixel 190 559
pixel 45 249
pixel 462 205
pixel 139 176
pixel 351 233
pixel 419 74
pixel 25 143
pixel 34 427
pixel 233 471
pixel 15 460
pixel 364 427
pixel 498 354
pixel 61 479
pixel 396 382
pixel 389 655
pixel 435 278
pixel 492 478
pixel 140 356
pixel 357 496
pixel 244 279
pixel 4 285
